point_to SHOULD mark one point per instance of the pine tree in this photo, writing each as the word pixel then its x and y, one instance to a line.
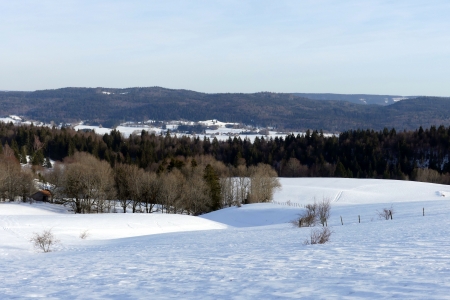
pixel 212 180
pixel 48 163
pixel 38 158
pixel 340 170
pixel 23 155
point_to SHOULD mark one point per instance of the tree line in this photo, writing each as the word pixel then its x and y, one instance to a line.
pixel 421 154
pixel 194 186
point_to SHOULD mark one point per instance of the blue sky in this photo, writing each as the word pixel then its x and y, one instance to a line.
pixel 379 47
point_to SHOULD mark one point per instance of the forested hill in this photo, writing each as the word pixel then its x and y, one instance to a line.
pixel 356 98
pixel 284 111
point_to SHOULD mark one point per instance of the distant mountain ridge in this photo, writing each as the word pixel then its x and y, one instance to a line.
pixel 357 98
pixel 108 107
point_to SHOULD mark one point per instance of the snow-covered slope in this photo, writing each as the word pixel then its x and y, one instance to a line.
pixel 20 221
pixel 344 191
pixel 260 214
pixel 252 253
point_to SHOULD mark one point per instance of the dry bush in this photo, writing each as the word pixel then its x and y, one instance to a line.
pixel 315 213
pixel 386 213
pixel 323 210
pixel 309 217
pixel 84 234
pixel 318 236
pixel 44 241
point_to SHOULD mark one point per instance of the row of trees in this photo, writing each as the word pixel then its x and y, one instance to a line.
pixel 354 153
pixel 15 182
pixel 194 186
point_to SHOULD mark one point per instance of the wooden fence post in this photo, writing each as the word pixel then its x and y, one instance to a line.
pixel 359 219
pixel 342 221
pixel 423 211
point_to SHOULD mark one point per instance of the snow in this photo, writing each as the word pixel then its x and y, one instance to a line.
pixel 7 120
pixel 215 123
pixel 344 191
pixel 96 129
pixel 222 133
pixel 125 130
pixel 248 252
pixel 14 117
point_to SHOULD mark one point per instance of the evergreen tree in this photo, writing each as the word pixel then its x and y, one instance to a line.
pixel 48 163
pixel 23 155
pixel 340 170
pixel 212 180
pixel 38 158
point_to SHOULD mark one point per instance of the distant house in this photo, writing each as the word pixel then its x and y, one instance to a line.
pixel 42 195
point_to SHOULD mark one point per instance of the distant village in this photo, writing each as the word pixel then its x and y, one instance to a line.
pixel 209 128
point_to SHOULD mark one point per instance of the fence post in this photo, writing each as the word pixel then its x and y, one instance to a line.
pixel 359 219
pixel 423 211
pixel 342 221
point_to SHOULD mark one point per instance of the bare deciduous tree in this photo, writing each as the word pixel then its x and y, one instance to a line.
pixel 121 184
pixel 294 168
pixel 87 183
pixel 55 178
pixel 171 191
pixel 263 183
pixel 25 185
pixel 243 184
pixel 228 186
pixel 150 190
pixel 195 193
pixel 10 174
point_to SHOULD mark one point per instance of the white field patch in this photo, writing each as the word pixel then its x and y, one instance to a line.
pixel 222 133
pixel 345 191
pixel 251 252
pixel 21 220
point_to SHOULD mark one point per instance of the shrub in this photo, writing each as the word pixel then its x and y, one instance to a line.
pixel 315 213
pixel 323 211
pixel 318 236
pixel 386 213
pixel 44 241
pixel 84 234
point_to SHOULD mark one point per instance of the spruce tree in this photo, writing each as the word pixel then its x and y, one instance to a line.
pixel 340 170
pixel 48 163
pixel 212 180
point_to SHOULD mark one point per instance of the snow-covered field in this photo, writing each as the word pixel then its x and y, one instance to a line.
pixel 251 252
pixel 221 133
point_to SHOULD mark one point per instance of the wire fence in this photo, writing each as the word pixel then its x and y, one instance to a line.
pixel 288 203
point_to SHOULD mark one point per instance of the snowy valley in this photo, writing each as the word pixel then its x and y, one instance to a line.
pixel 247 252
